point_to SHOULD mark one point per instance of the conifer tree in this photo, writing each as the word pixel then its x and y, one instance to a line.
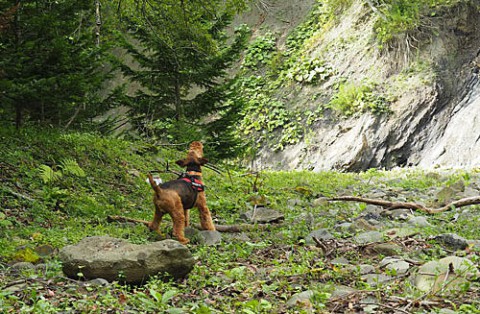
pixel 51 68
pixel 181 57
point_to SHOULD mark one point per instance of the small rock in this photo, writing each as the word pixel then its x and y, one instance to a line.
pixel 432 275
pixel 340 261
pixel 263 215
pixel 45 250
pixel 362 269
pixel 452 241
pixel 368 237
pixel 369 305
pixel 302 299
pixel 400 213
pixel 209 237
pixel 23 266
pixel 373 209
pixel 400 232
pixel 366 269
pixel 377 193
pixel 320 201
pixel 458 186
pixel 387 260
pixel 343 227
pixel 418 221
pixel 342 291
pixel 469 192
pixel 321 234
pixel 376 279
pixel 396 265
pixel 362 225
pixel 98 282
pixel 191 233
pixel 240 237
pixel 444 196
pixel 387 249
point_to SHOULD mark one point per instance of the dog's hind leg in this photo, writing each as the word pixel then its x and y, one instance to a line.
pixel 178 226
pixel 157 219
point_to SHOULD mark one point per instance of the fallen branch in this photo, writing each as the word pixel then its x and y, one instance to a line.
pixel 219 228
pixel 126 219
pixel 408 205
pixel 25 197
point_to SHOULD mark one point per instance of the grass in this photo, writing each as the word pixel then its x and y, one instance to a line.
pixel 256 273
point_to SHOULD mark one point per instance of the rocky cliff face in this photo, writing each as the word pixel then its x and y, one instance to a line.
pixel 433 76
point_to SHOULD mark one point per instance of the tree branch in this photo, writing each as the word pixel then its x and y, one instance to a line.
pixel 408 205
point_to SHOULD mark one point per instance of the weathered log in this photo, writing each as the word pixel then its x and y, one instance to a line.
pixel 408 205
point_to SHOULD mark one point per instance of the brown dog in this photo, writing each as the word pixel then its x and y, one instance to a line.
pixel 178 196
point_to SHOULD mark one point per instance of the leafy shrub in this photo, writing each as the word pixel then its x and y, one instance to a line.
pixel 352 98
pixel 260 51
pixel 309 72
pixel 400 16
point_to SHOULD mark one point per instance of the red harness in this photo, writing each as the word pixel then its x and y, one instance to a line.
pixel 196 184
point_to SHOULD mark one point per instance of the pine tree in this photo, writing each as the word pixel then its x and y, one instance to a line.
pixel 51 68
pixel 182 55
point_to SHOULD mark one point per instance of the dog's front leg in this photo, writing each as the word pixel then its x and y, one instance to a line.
pixel 186 213
pixel 205 216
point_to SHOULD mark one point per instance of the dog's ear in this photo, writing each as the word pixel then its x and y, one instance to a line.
pixel 181 162
pixel 202 161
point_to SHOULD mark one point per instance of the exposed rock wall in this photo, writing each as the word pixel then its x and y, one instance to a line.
pixel 436 114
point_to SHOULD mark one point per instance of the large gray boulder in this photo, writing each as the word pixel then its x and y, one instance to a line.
pixel 116 259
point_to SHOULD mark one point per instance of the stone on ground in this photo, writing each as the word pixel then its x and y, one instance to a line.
pixel 116 259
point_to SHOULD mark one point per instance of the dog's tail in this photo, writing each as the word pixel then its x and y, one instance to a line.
pixel 154 184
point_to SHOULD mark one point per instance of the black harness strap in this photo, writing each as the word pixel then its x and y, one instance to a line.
pixel 196 185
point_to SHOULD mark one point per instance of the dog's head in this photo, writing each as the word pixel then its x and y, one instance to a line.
pixel 194 159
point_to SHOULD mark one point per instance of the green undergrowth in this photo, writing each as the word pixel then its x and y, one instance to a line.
pixel 403 16
pixel 58 188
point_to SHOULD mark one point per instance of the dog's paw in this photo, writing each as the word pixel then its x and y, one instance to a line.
pixel 184 241
pixel 152 226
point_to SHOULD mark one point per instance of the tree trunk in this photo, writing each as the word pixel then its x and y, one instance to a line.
pixel 178 99
pixel 18 116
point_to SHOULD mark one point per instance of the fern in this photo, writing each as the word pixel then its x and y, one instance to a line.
pixel 48 175
pixel 70 166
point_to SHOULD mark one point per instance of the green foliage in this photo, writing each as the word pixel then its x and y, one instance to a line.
pixel 354 98
pixel 260 51
pixel 403 16
pixel 51 67
pixel 68 166
pixel 48 175
pixel 309 72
